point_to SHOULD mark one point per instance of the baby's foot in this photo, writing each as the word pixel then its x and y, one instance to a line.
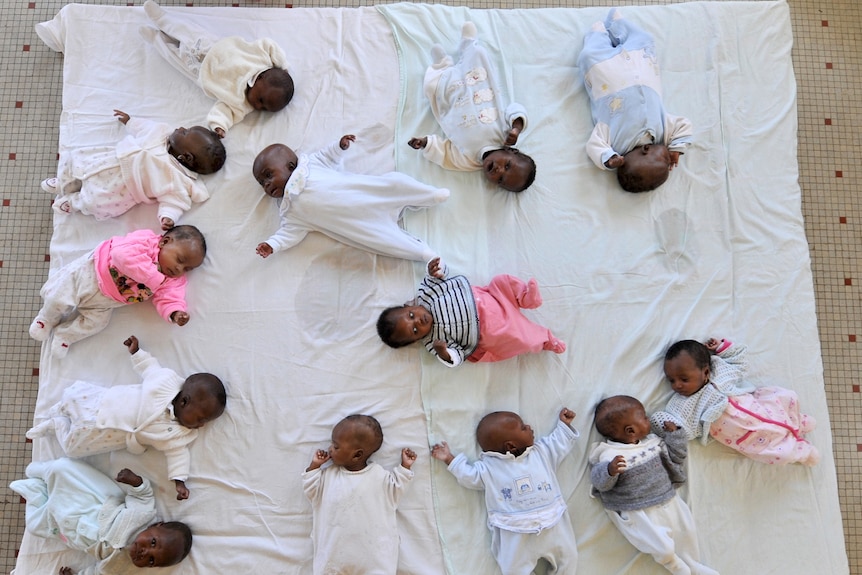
pixel 468 31
pixel 555 345
pixel 62 206
pixel 616 15
pixel 153 10
pixel 439 57
pixel 39 329
pixel 599 27
pixel 806 423
pixel 531 298
pixel 43 429
pixel 812 459
pixel 51 185
pixel 59 348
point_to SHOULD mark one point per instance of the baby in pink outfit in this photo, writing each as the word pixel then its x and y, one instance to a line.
pixel 126 269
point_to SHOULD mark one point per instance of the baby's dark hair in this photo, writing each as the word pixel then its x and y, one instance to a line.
pixel 211 384
pixel 386 328
pixel 281 79
pixel 698 352
pixel 637 181
pixel 367 429
pixel 184 532
pixel 610 410
pixel 190 233
pixel 212 156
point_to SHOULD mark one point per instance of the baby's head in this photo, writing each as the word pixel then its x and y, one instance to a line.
pixel 509 168
pixel 273 167
pixel 181 249
pixel 645 168
pixel 197 148
pixel 504 432
pixel 686 366
pixel 272 90
pixel 622 419
pixel 402 325
pixel 201 399
pixel 161 545
pixel 354 439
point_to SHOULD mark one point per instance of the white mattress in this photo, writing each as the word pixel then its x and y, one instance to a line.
pixel 719 250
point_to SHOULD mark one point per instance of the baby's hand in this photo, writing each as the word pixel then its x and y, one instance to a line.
pixel 129 477
pixel 418 143
pixel 408 458
pixel 615 161
pixel 345 141
pixel 441 452
pixel 670 426
pixel 132 343
pixel 435 269
pixel 264 250
pixel 180 318
pixel 674 159
pixel 442 351
pixel 512 135
pixel 567 416
pixel 321 456
pixel 182 490
pixel 617 466
pixel 66 571
pixel 167 223
pixel 712 344
pixel 220 133
pixel 121 116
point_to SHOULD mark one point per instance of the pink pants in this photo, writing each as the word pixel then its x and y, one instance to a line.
pixel 504 331
pixel 766 426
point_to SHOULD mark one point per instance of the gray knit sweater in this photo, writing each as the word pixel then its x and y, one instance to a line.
pixel 654 468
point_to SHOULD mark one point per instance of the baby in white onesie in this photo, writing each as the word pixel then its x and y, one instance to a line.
pixel 164 411
pixel 354 501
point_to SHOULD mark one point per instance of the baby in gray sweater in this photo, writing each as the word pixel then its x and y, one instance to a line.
pixel 635 474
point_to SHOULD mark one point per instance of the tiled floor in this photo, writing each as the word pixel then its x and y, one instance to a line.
pixel 827 61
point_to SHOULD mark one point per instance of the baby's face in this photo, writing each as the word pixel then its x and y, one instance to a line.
pixel 156 546
pixel 264 97
pixel 176 257
pixel 506 169
pixel 194 407
pixel 273 168
pixel 519 433
pixel 412 323
pixel 683 374
pixel 343 447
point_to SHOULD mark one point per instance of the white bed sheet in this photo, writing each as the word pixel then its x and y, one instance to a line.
pixel 717 251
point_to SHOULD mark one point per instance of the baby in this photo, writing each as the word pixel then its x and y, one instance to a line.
pixel 458 321
pixel 635 474
pixel 163 411
pixel 633 134
pixel 359 210
pixel 70 501
pixel 122 270
pixel 711 401
pixel 469 105
pixel 154 163
pixel 241 76
pixel 354 501
pixel 527 512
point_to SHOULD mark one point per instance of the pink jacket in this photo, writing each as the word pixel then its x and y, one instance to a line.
pixel 128 271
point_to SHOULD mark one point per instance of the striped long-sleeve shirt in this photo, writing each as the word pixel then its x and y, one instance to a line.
pixel 453 307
